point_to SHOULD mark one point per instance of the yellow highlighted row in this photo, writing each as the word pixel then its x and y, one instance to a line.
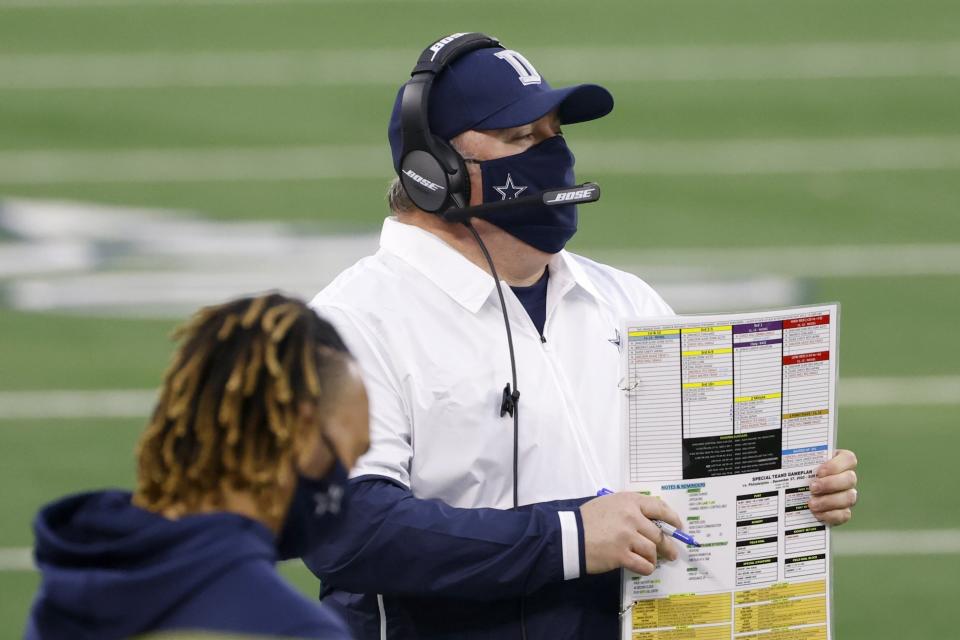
pixel 781 613
pixel 807 633
pixel 714 383
pixel 707 352
pixel 673 332
pixel 682 610
pixel 782 590
pixel 655 332
pixel 707 329
pixel 721 632
pixel 764 396
pixel 806 414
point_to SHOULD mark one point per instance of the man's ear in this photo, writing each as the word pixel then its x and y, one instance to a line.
pixel 348 420
pixel 311 453
pixel 476 183
pixel 463 144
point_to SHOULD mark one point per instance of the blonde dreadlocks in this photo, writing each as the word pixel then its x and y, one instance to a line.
pixel 227 416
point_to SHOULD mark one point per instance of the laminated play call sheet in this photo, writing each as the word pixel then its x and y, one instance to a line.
pixel 725 418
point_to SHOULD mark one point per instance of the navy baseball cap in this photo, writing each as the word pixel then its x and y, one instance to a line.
pixel 497 88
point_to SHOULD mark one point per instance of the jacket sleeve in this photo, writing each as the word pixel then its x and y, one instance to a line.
pixel 392 543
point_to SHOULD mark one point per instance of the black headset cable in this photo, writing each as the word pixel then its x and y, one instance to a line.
pixel 511 399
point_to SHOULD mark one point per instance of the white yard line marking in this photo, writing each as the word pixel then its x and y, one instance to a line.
pixel 824 261
pixel 807 61
pixel 625 157
pixel 117 403
pixel 174 294
pixel 770 156
pixel 16 559
pixel 63 236
pixel 896 543
pixel 137 403
pixel 845 544
pixel 879 392
pixel 194 165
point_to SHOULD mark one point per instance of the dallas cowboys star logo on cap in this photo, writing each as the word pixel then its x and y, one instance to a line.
pixel 509 187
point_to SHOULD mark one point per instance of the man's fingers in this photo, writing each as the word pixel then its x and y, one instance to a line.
pixel 842 500
pixel 835 517
pixel 645 548
pixel 655 509
pixel 664 545
pixel 638 564
pixel 650 531
pixel 841 461
pixel 618 532
pixel 667 548
pixel 834 484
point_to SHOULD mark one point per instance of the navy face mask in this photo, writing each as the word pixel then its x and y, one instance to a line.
pixel 544 166
pixel 315 507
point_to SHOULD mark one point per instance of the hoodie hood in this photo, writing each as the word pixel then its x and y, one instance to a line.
pixel 112 570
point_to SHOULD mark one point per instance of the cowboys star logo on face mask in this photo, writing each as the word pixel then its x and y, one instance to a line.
pixel 509 191
pixel 328 501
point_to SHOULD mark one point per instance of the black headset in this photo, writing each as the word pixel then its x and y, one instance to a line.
pixel 432 173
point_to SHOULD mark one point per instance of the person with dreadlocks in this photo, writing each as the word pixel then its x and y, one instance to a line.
pixel 260 416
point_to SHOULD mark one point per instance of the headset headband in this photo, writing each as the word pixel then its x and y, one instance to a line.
pixel 431 172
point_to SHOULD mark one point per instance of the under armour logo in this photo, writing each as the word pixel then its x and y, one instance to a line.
pixel 525 70
pixel 509 191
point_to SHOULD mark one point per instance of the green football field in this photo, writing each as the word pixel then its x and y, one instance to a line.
pixel 740 125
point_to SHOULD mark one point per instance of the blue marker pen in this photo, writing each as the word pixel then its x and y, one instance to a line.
pixel 666 527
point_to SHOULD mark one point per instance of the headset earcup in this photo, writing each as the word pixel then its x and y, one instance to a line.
pixel 425 181
pixel 428 183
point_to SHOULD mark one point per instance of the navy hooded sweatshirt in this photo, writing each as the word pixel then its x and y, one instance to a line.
pixel 113 570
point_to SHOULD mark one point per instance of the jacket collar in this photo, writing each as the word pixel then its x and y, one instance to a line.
pixel 566 268
pixel 469 285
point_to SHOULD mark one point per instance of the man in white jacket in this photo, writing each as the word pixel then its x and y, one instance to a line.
pixel 465 524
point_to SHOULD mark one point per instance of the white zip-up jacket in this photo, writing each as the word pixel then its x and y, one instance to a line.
pixel 426 328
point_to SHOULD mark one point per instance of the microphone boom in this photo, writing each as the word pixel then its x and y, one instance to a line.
pixel 579 194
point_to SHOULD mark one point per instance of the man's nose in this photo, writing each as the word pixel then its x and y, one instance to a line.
pixel 547 128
